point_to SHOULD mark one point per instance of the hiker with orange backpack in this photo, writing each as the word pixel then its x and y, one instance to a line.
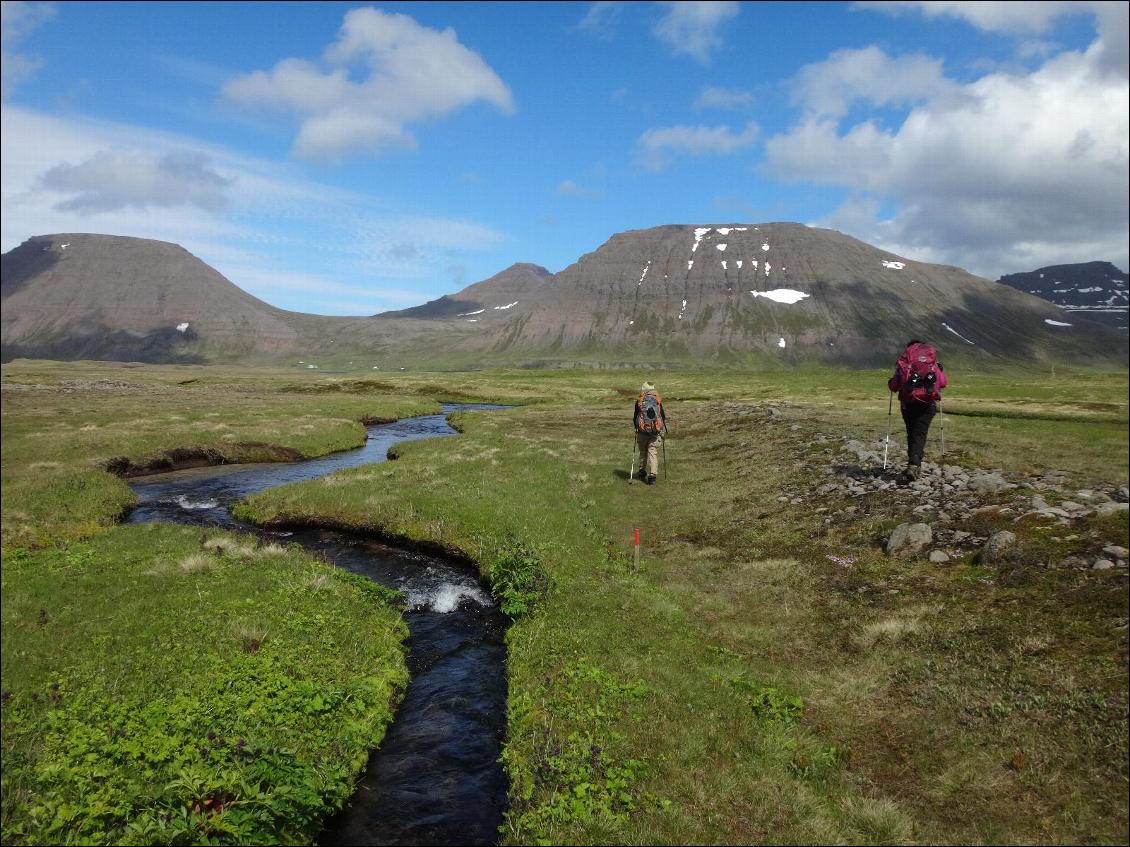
pixel 650 422
pixel 918 380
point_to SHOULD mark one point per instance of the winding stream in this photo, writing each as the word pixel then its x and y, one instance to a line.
pixel 436 778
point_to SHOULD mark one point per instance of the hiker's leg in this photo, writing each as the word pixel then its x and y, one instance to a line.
pixel 917 428
pixel 642 441
pixel 653 455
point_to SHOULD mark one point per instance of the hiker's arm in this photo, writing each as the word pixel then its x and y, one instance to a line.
pixel 893 382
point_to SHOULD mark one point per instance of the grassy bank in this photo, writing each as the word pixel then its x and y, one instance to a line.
pixel 167 685
pixel 768 674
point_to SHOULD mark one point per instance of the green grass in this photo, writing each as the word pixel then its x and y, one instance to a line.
pixel 172 685
pixel 737 596
pixel 741 686
pixel 63 423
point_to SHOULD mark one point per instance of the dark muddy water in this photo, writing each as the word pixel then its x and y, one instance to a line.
pixel 436 778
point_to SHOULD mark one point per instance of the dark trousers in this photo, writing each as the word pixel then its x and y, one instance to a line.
pixel 917 420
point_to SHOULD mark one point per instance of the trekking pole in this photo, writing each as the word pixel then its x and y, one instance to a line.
pixel 887 438
pixel 665 437
pixel 942 460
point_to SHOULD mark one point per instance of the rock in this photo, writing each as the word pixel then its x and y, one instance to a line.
pixel 1092 497
pixel 939 556
pixel 960 535
pixel 1116 552
pixel 989 483
pixel 1074 562
pixel 794 428
pixel 909 539
pixel 1123 494
pixel 1039 503
pixel 1104 509
pixel 996 545
pixel 1102 565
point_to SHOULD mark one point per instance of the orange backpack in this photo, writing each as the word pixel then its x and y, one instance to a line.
pixel 649 413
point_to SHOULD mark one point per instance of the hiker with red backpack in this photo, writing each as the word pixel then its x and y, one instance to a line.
pixel 918 380
pixel 650 422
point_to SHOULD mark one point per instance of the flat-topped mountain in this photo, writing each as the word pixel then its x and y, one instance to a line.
pixel 718 293
pixel 725 291
pixel 1097 290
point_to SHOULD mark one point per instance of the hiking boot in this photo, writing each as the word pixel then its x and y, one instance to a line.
pixel 651 479
pixel 909 475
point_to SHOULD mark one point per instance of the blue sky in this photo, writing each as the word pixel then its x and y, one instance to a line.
pixel 338 158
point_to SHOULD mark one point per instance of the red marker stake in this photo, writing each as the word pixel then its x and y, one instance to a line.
pixel 636 559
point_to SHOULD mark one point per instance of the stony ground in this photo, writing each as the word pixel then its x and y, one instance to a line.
pixel 947 500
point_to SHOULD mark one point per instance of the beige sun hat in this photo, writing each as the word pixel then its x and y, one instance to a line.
pixel 647 386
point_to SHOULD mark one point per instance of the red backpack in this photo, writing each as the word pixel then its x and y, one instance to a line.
pixel 918 376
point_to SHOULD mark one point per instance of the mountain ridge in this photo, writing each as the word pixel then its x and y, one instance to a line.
pixel 723 293
pixel 1096 290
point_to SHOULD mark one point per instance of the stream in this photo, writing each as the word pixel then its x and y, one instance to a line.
pixel 436 778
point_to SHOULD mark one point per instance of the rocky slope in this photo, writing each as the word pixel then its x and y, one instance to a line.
pixel 1095 290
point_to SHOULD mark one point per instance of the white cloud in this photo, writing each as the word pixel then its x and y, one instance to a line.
pixel 601 18
pixel 1010 172
pixel 1111 51
pixel 1006 16
pixel 713 97
pixel 570 188
pixel 656 145
pixel 831 87
pixel 112 180
pixel 691 28
pixel 17 20
pixel 324 296
pixel 274 225
pixel 413 74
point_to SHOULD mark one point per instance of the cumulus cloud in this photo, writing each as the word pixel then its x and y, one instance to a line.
pixel 412 74
pixel 656 146
pixel 1111 52
pixel 692 28
pixel 831 87
pixel 713 97
pixel 1009 172
pixel 1030 17
pixel 112 180
pixel 17 20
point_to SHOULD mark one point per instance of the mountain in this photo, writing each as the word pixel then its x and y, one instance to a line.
pixel 1096 290
pixel 75 296
pixel 737 293
pixel 743 292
